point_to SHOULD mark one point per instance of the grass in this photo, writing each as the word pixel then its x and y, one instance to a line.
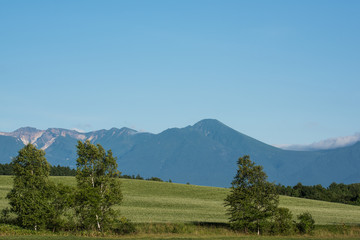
pixel 177 211
pixel 39 237
pixel 324 213
pixel 146 201
pixel 162 202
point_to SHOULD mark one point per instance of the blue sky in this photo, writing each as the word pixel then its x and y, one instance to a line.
pixel 282 72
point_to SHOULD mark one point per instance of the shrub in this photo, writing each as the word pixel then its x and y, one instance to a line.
pixel 283 223
pixel 124 226
pixel 5 216
pixel 155 179
pixel 306 223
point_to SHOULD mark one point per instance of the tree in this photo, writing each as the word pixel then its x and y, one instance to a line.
pixel 252 199
pixel 98 186
pixel 29 198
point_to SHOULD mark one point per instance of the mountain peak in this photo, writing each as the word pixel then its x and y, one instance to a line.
pixel 213 126
pixel 124 130
pixel 209 123
pixel 27 130
pixel 26 134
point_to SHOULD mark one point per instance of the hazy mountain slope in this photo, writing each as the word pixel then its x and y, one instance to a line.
pixel 204 154
pixel 62 151
pixel 336 165
pixel 184 155
pixel 9 147
pixel 120 141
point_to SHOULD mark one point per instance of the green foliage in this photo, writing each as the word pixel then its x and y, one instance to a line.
pixel 30 197
pixel 306 223
pixel 62 171
pixel 155 179
pixel 62 202
pixel 282 221
pixel 123 226
pixel 98 186
pixel 138 177
pixel 341 193
pixel 37 202
pixel 5 215
pixel 252 199
pixel 7 169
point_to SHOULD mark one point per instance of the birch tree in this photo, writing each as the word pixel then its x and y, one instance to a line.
pixel 98 186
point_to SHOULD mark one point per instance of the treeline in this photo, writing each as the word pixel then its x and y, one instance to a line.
pixel 340 193
pixel 138 177
pixel 7 169
pixel 62 171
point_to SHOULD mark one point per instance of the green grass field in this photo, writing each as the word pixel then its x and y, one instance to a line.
pixel 160 202
pixel 167 238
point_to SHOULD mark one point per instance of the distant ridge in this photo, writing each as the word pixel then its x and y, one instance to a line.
pixel 204 154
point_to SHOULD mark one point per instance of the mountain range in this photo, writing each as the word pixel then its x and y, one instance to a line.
pixel 203 154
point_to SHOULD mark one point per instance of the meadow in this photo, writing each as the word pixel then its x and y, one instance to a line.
pixel 171 207
pixel 172 238
pixel 148 201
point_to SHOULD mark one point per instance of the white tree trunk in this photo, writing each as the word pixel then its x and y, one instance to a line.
pixel 98 223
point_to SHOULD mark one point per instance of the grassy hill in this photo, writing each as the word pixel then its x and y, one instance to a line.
pixel 147 201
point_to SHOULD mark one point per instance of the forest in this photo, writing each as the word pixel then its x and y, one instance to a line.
pixel 335 192
pixel 7 169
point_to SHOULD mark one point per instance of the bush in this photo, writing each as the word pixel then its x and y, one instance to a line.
pixel 306 224
pixel 155 179
pixel 283 223
pixel 5 213
pixel 124 226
